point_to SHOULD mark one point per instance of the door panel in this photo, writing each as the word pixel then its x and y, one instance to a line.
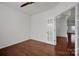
pixel 52 31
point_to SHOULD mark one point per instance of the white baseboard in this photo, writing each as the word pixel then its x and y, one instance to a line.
pixel 13 43
pixel 23 41
pixel 43 41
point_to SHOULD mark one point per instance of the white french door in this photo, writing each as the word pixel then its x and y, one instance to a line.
pixel 52 31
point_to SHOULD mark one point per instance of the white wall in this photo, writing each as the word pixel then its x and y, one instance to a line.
pixel 14 26
pixel 39 21
pixel 61 26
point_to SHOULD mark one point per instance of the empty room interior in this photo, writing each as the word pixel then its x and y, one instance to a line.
pixel 37 28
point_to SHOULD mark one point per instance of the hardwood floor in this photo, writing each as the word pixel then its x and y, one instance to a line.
pixel 36 48
pixel 63 47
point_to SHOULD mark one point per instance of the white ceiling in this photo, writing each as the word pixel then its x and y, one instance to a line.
pixel 33 8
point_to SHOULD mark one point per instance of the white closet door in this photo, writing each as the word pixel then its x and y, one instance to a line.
pixel 77 28
pixel 52 31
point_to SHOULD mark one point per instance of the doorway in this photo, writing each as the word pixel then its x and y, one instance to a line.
pixel 65 32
